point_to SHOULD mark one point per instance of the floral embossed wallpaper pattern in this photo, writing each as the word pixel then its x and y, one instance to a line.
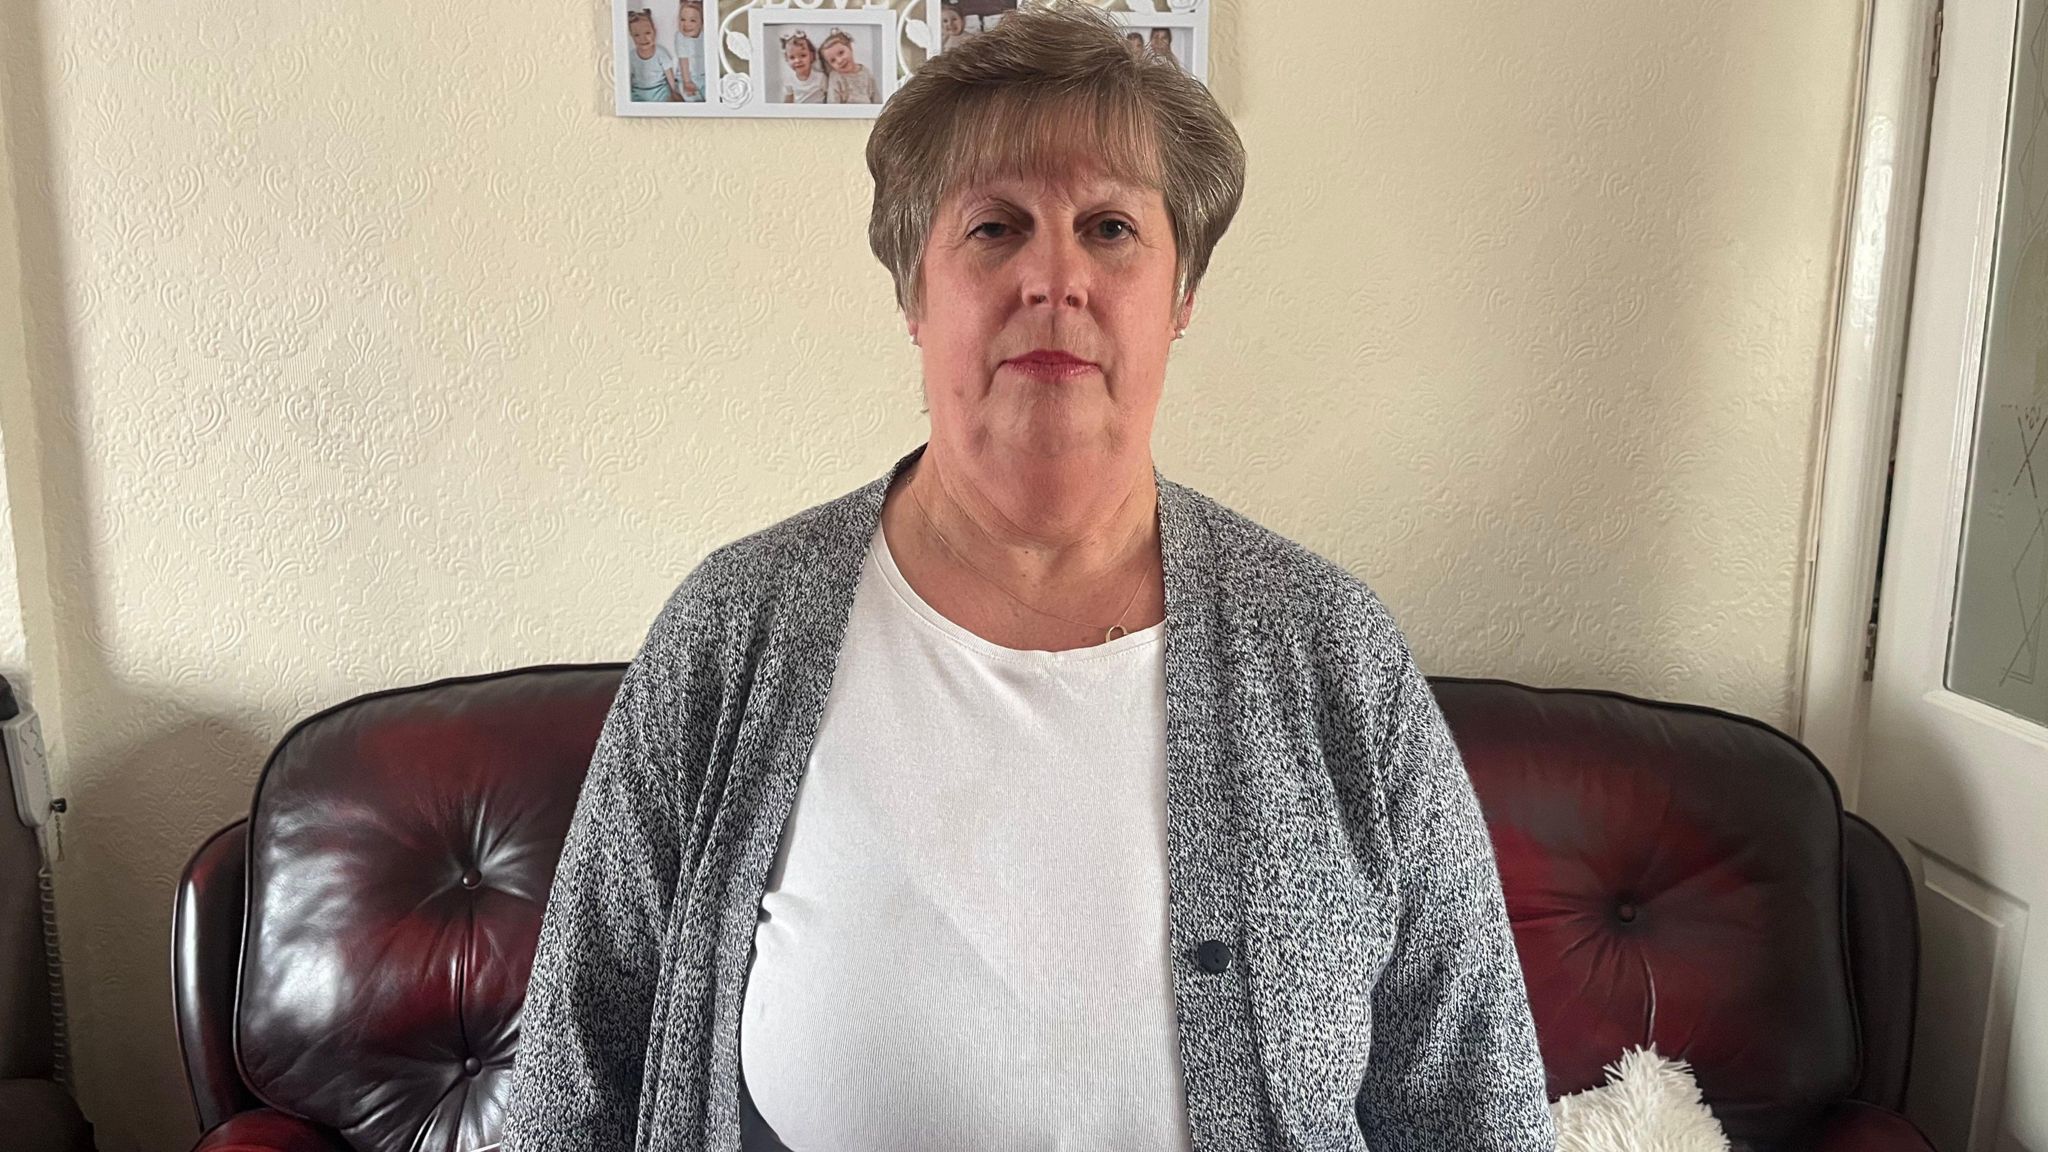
pixel 368 347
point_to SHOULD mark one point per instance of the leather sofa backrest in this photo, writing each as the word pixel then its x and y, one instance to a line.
pixel 1675 878
pixel 401 847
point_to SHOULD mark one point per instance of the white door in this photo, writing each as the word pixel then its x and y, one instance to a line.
pixel 1956 769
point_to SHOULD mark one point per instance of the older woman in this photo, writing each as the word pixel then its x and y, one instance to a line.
pixel 1023 798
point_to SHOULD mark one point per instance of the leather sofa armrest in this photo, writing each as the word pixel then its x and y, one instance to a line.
pixel 206 954
pixel 1858 1127
pixel 1884 959
pixel 267 1130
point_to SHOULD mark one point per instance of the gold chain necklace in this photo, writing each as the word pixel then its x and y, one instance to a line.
pixel 1108 634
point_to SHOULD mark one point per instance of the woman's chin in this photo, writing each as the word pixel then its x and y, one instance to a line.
pixel 1050 435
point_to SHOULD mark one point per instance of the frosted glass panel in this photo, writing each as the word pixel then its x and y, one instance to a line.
pixel 1998 641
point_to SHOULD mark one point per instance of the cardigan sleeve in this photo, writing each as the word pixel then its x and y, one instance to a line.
pixel 1454 1062
pixel 585 1031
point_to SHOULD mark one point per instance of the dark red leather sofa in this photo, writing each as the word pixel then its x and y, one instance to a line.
pixel 350 961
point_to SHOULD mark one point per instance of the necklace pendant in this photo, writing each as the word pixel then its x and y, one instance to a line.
pixel 1115 630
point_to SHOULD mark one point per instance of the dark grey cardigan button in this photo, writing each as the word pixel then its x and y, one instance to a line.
pixel 1213 956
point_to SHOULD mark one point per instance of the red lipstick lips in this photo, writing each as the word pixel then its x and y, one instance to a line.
pixel 1051 366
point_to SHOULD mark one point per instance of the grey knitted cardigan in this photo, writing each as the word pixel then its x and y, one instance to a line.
pixel 1358 989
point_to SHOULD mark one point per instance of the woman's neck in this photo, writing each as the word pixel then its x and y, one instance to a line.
pixel 1077 533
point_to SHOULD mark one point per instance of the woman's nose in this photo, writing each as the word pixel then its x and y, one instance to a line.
pixel 1070 299
pixel 1055 271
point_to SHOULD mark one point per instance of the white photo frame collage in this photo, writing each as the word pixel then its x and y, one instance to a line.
pixel 829 59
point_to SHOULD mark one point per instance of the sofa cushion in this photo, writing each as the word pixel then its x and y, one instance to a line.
pixel 1674 878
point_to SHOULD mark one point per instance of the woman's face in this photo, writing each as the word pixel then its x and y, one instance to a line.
pixel 1047 312
pixel 800 57
pixel 839 57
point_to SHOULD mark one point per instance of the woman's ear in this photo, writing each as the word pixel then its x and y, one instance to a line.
pixel 910 323
pixel 1184 313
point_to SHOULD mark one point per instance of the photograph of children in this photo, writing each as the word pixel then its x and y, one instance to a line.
pixel 803 75
pixel 1173 45
pixel 822 63
pixel 1169 37
pixel 653 67
pixel 849 80
pixel 663 51
pixel 689 79
pixel 962 18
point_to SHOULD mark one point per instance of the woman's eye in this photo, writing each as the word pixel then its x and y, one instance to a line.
pixel 990 230
pixel 1115 229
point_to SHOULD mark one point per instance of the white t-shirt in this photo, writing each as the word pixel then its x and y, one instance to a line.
pixel 799 90
pixel 649 76
pixel 690 64
pixel 855 87
pixel 964 939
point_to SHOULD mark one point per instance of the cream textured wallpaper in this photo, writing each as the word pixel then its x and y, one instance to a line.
pixel 13 636
pixel 368 347
pixel 14 661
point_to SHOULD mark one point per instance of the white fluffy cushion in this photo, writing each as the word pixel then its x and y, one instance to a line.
pixel 1649 1104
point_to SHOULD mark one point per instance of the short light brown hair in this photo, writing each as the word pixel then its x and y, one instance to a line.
pixel 1041 88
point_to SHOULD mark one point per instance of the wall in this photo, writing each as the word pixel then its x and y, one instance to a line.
pixel 368 347
pixel 14 657
pixel 14 662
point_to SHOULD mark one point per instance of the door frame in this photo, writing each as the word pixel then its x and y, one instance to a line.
pixel 1860 407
